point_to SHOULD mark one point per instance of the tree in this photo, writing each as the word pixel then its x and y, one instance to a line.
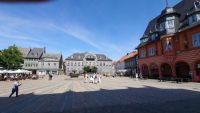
pixel 86 69
pixel 93 69
pixel 11 58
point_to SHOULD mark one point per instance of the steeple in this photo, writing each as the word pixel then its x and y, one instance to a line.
pixel 167 4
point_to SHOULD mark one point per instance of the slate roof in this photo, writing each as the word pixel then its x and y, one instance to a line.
pixel 35 53
pixel 51 57
pixel 80 56
pixel 183 8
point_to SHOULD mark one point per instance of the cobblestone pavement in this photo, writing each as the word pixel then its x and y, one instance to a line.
pixel 113 95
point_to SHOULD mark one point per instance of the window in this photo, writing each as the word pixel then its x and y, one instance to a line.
pixel 196 40
pixel 185 41
pixel 49 64
pixel 144 40
pixel 151 51
pixel 198 17
pixel 54 64
pixel 168 44
pixel 192 19
pixel 162 26
pixel 142 53
pixel 170 24
pixel 153 36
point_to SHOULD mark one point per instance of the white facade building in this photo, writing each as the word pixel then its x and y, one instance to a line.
pixel 77 61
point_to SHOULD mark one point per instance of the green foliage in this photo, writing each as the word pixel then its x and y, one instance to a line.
pixel 88 69
pixel 11 58
pixel 93 69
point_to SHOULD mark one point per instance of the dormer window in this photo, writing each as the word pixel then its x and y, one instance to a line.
pixel 192 19
pixel 198 17
pixel 169 24
pixel 162 26
pixel 154 36
pixel 143 40
pixel 194 15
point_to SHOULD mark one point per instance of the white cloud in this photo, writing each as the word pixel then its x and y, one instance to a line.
pixel 31 30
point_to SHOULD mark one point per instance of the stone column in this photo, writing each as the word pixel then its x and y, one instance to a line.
pixel 173 68
pixel 193 72
pixel 160 72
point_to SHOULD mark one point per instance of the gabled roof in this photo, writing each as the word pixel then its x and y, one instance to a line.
pixel 80 57
pixel 51 57
pixel 35 53
pixel 127 56
pixel 24 51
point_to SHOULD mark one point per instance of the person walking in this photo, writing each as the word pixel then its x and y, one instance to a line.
pixel 15 88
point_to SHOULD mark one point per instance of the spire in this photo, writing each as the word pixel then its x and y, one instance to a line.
pixel 167 4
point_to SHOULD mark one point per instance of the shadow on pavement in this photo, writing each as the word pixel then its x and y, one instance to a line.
pixel 130 100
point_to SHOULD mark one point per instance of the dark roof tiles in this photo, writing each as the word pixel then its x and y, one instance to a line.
pixel 35 53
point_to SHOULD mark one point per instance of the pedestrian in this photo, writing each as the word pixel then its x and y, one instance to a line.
pixel 99 78
pixel 15 88
pixel 141 76
pixel 86 77
pixel 136 76
pixel 50 76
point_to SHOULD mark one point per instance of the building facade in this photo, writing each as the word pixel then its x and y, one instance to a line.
pixel 40 62
pixel 77 61
pixel 50 63
pixel 127 65
pixel 32 59
pixel 131 64
pixel 170 46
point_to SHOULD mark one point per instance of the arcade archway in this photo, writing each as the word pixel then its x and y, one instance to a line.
pixel 166 70
pixel 154 71
pixel 183 70
pixel 197 68
pixel 145 71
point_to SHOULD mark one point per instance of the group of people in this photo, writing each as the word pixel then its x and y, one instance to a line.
pixel 92 78
pixel 21 76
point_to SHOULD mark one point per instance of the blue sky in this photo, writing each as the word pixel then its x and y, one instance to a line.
pixel 111 27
